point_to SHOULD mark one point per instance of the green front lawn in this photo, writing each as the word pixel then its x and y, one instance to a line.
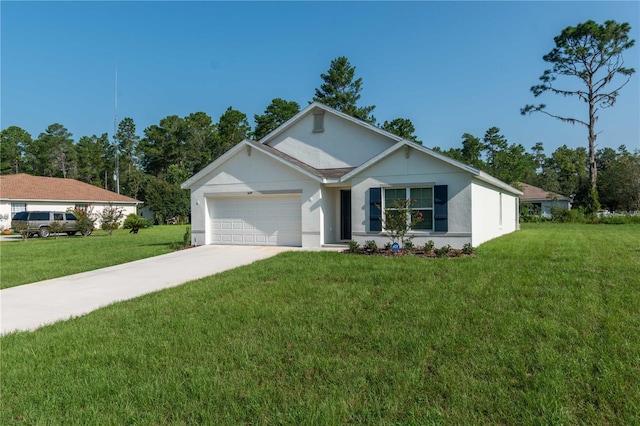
pixel 540 327
pixel 39 259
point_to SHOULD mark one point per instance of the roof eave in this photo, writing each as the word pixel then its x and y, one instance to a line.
pixel 318 105
pixel 232 152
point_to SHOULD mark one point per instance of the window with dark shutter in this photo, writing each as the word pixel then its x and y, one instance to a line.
pixel 375 209
pixel 440 210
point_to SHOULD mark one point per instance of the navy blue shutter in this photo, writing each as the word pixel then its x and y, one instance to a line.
pixel 375 209
pixel 440 211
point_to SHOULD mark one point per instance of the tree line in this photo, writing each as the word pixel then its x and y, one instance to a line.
pixel 565 171
pixel 151 167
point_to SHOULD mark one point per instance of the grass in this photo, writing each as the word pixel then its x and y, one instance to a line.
pixel 39 259
pixel 541 327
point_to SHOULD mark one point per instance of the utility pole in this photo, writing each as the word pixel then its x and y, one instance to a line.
pixel 116 173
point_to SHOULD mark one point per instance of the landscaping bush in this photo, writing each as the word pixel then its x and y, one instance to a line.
pixel 370 245
pixel 353 246
pixel 135 223
pixel 86 220
pixel 56 228
pixel 110 218
pixel 443 251
pixel 429 246
pixel 467 249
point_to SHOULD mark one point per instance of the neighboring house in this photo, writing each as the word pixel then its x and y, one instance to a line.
pixel 25 192
pixel 540 201
pixel 324 177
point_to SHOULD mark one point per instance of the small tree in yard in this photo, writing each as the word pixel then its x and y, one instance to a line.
pixel 135 223
pixel 56 228
pixel 110 218
pixel 399 219
pixel 22 229
pixel 86 220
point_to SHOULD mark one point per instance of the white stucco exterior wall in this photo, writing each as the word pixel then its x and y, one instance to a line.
pixel 341 144
pixel 250 172
pixel 494 212
pixel 417 170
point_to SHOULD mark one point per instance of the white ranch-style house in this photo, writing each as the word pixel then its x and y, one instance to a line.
pixel 324 177
pixel 23 192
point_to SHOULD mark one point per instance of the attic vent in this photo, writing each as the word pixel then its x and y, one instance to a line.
pixel 318 122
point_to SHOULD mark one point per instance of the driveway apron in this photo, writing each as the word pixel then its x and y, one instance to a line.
pixel 29 306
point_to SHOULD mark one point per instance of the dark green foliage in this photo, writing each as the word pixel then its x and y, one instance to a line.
pixel 402 127
pixel 165 198
pixel 471 152
pixel 443 251
pixel 86 220
pixel 370 245
pixel 340 91
pixel 135 223
pixel 233 127
pixel 624 219
pixel 95 161
pixel 13 142
pixel 590 203
pixel 126 142
pixel 52 154
pixel 163 145
pixel 619 179
pixel 186 238
pixel 353 246
pixel 276 114
pixel 429 246
pixel 467 249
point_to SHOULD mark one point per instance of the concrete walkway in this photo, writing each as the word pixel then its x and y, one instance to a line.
pixel 30 306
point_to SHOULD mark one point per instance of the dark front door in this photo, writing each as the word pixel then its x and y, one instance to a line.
pixel 345 214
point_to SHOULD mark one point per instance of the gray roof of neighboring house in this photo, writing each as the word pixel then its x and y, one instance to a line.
pixel 533 193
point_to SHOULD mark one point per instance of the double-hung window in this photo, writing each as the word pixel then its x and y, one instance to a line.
pixel 421 200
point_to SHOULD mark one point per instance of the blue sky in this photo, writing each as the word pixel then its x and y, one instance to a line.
pixel 450 67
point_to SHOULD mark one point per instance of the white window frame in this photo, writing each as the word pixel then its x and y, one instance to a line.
pixel 407 190
pixel 17 208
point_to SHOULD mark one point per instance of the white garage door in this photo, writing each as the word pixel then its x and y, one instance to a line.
pixel 256 220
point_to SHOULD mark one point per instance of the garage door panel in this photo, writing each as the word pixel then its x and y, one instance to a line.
pixel 256 220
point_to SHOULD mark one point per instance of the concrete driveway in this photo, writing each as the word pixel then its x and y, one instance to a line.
pixel 30 306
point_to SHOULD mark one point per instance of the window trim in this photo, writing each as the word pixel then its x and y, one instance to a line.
pixel 407 190
pixel 17 208
pixel 318 122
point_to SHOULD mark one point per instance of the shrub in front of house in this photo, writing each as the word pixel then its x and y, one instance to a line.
pixel 110 218
pixel 56 228
pixel 134 223
pixel 86 220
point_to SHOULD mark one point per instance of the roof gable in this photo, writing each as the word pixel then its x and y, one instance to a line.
pixel 408 145
pixel 533 193
pixel 26 187
pixel 342 141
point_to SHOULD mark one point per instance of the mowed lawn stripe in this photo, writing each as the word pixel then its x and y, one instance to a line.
pixel 541 326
